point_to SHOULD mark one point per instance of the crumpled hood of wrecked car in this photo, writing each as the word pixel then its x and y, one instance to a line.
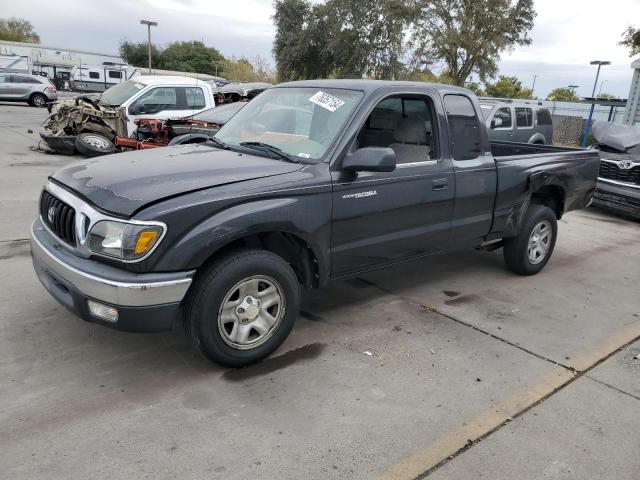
pixel 125 182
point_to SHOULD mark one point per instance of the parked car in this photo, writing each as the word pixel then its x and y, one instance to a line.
pixel 239 91
pixel 196 128
pixel 21 87
pixel 89 124
pixel 618 187
pixel 522 121
pixel 223 236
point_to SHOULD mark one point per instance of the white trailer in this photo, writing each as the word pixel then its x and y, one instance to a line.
pixel 15 64
pixel 97 78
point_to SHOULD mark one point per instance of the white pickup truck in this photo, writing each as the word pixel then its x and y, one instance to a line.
pixel 89 124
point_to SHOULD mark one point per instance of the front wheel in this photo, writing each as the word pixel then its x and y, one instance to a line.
pixel 530 250
pixel 94 145
pixel 242 307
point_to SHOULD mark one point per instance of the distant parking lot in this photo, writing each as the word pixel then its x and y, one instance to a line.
pixel 451 368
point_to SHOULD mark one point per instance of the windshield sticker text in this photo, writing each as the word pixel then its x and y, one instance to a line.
pixel 326 101
pixel 370 193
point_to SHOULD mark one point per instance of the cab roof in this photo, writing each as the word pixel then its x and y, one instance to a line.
pixel 370 86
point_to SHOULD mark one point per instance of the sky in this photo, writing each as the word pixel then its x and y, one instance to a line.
pixel 566 36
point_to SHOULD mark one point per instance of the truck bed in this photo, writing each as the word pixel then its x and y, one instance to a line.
pixel 509 149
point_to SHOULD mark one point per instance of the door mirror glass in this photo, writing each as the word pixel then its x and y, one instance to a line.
pixel 137 109
pixel 496 122
pixel 370 159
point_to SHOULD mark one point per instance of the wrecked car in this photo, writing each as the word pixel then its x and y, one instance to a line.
pixel 90 124
pixel 237 92
pixel 618 187
pixel 197 128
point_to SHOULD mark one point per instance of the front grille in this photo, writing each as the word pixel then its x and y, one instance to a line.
pixel 59 217
pixel 611 171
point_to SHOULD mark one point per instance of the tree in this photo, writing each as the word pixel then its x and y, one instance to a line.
pixel 606 96
pixel 190 57
pixel 366 37
pixel 469 36
pixel 300 46
pixel 508 87
pixel 631 40
pixel 17 30
pixel 137 54
pixel 340 38
pixel 563 94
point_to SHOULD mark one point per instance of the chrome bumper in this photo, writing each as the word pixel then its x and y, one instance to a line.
pixel 103 282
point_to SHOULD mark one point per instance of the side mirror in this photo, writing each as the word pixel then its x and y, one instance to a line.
pixel 370 159
pixel 496 122
pixel 136 109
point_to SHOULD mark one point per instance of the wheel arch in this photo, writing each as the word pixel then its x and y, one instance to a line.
pixel 291 247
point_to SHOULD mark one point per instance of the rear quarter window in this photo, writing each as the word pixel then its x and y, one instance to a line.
pixel 544 117
pixel 463 127
pixel 524 117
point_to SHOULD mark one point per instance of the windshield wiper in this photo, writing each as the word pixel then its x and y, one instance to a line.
pixel 219 143
pixel 269 148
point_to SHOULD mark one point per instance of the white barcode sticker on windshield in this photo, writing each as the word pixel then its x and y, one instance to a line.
pixel 327 101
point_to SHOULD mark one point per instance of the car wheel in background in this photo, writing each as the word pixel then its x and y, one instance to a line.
pixel 530 250
pixel 94 145
pixel 38 100
pixel 242 307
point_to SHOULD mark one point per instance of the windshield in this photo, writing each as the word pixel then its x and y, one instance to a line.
pixel 302 122
pixel 118 94
pixel 220 114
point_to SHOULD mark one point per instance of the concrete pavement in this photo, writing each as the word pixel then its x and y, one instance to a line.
pixel 459 347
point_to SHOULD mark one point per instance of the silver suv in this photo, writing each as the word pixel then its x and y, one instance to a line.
pixel 20 87
pixel 522 121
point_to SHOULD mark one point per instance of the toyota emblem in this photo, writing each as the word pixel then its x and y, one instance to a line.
pixel 625 164
pixel 51 214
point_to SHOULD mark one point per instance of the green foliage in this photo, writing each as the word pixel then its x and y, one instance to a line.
pixel 190 57
pixel 17 30
pixel 563 94
pixel 508 87
pixel 136 54
pixel 339 38
pixel 606 96
pixel 469 36
pixel 631 40
pixel 244 70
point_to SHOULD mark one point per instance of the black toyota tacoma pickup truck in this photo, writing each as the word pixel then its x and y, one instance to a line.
pixel 310 182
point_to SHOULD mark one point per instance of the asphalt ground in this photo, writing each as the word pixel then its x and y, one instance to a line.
pixel 451 368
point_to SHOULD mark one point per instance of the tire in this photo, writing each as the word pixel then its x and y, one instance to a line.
pixel 540 224
pixel 93 145
pixel 38 100
pixel 241 280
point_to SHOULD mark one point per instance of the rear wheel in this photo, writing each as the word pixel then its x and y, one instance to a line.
pixel 94 145
pixel 38 100
pixel 242 307
pixel 530 250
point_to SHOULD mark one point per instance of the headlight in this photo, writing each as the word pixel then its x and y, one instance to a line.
pixel 126 241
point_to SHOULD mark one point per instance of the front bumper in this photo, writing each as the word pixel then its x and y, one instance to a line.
pixel 618 197
pixel 145 302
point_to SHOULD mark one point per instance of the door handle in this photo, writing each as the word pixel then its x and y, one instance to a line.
pixel 439 184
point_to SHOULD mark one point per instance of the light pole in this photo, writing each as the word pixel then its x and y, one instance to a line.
pixel 215 64
pixel 587 126
pixel 149 24
pixel 573 88
pixel 533 87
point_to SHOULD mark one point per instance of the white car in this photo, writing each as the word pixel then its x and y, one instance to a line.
pixel 161 97
pixel 89 124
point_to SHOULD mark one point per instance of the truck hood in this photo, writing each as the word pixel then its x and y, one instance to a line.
pixel 125 182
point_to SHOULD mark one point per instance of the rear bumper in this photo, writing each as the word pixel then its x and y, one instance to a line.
pixel 145 302
pixel 618 197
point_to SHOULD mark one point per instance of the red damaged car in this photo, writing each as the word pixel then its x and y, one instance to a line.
pixel 198 128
